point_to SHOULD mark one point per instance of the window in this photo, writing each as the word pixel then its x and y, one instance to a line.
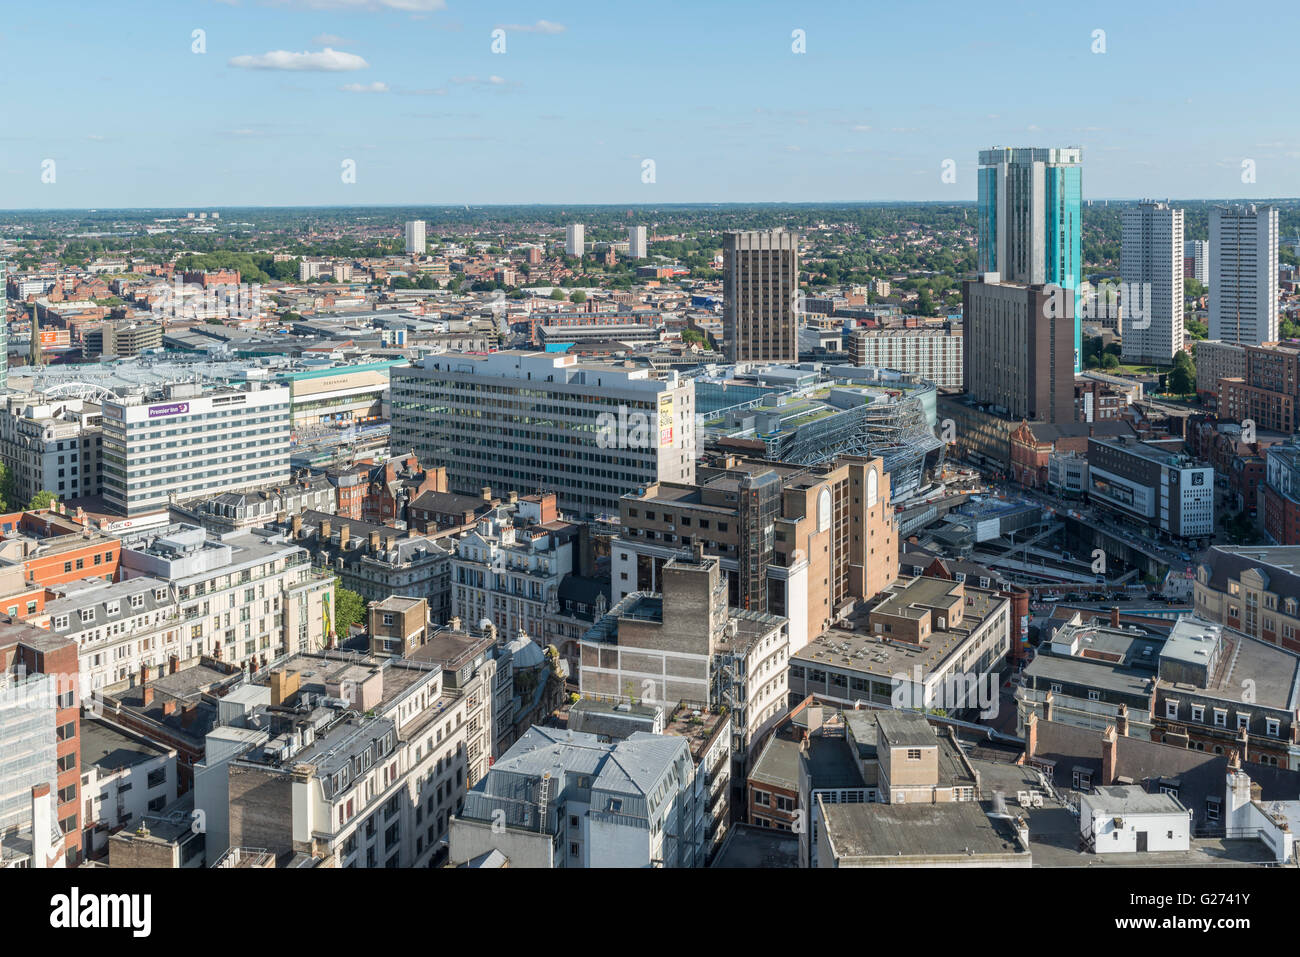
pixel 762 799
pixel 1094 695
pixel 1211 809
pixel 1243 720
pixel 914 754
pixel 1171 709
pixel 1273 726
pixel 1198 712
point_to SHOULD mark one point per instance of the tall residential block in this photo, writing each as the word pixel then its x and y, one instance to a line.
pixel 575 239
pixel 1029 219
pixel 1196 260
pixel 1243 274
pixel 1151 272
pixel 636 243
pixel 760 287
pixel 415 238
pixel 525 422
pixel 1018 348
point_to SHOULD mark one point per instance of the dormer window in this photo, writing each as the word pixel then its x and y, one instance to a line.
pixel 87 614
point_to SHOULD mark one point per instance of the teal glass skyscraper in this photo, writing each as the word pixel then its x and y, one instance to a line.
pixel 1029 219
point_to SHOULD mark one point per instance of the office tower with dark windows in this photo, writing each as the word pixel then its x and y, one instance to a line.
pixel 760 286
pixel 1018 343
pixel 1029 219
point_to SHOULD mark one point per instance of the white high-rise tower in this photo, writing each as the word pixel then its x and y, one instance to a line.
pixel 1151 272
pixel 575 240
pixel 1243 274
pixel 415 237
pixel 636 244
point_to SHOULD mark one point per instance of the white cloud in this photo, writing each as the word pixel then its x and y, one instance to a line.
pixel 861 128
pixel 541 26
pixel 376 87
pixel 328 40
pixel 327 60
pixel 479 80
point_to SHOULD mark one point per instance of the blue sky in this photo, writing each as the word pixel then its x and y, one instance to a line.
pixel 709 90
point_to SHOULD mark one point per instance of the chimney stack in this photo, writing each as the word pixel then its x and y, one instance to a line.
pixel 1109 755
pixel 325 530
pixel 147 697
pixel 1114 616
pixel 1031 734
pixel 344 535
pixel 1048 706
pixel 374 542
pixel 1121 721
pixel 297 526
pixel 487 493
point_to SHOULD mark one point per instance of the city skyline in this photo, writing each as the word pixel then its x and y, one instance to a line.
pixel 283 93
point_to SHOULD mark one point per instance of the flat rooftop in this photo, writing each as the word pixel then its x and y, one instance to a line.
pixel 1275 672
pixel 855 647
pixel 1131 799
pixel 107 746
pixel 749 846
pixel 1091 673
pixel 918 831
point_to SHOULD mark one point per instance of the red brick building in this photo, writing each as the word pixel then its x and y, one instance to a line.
pixel 54 548
pixel 1029 456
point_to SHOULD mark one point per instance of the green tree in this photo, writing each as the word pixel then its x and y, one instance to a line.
pixel 1182 378
pixel 578 296
pixel 557 294
pixel 42 499
pixel 349 609
pixel 6 488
